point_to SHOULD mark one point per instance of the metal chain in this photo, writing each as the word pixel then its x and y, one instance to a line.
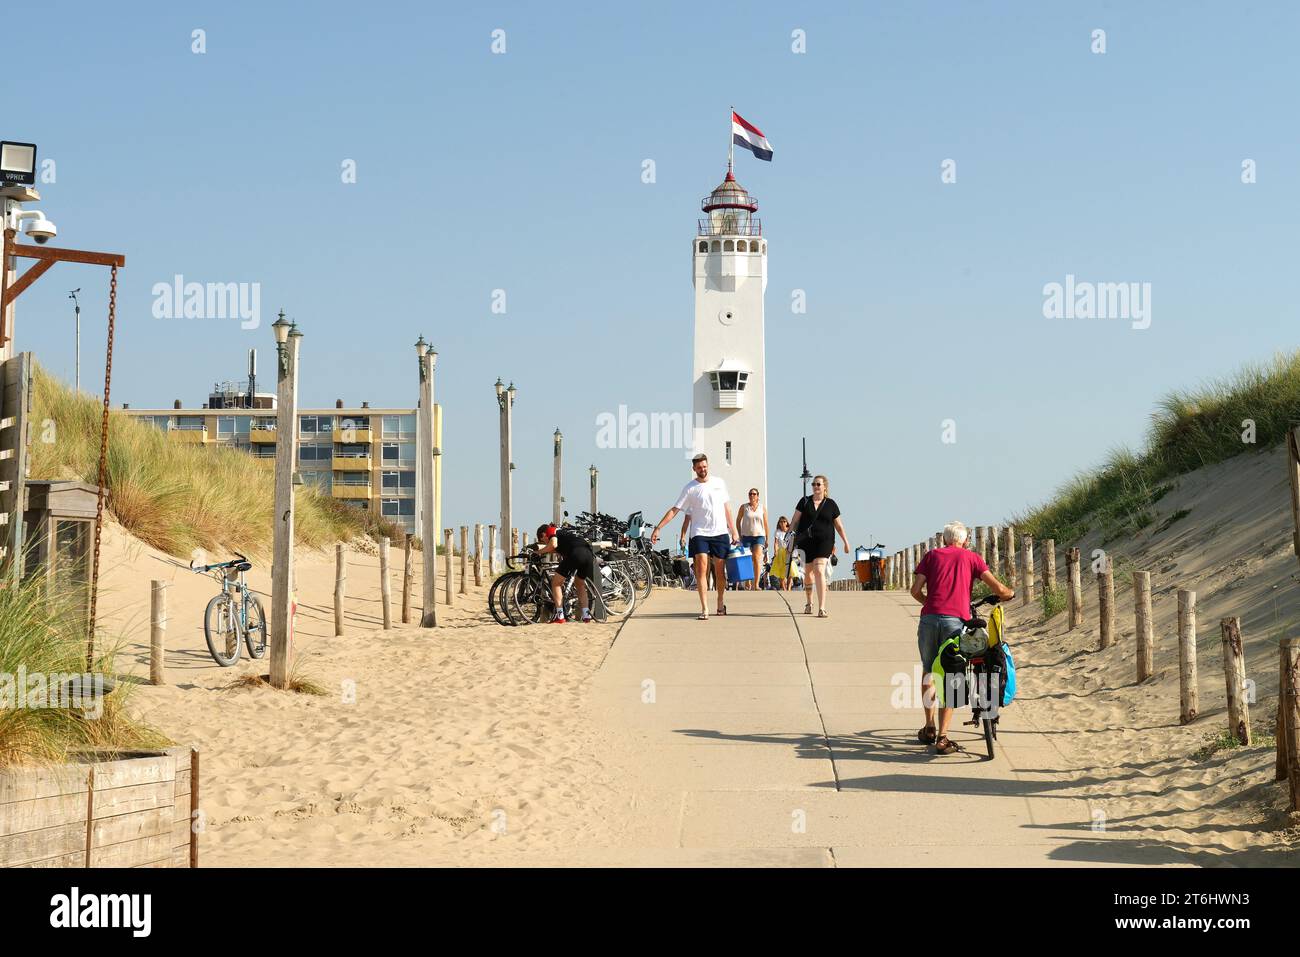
pixel 103 470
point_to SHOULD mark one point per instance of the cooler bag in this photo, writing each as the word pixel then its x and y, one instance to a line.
pixel 740 564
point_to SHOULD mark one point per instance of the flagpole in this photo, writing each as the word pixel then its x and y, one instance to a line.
pixel 731 140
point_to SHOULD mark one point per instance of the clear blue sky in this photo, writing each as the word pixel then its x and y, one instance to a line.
pixel 522 172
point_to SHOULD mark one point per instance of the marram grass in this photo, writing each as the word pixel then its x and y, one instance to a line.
pixel 44 638
pixel 1189 429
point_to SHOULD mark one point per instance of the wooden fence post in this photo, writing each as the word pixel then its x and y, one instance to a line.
pixel 464 560
pixel 1049 564
pixel 448 541
pixel 385 585
pixel 1010 557
pixel 408 579
pixel 979 540
pixel 993 560
pixel 340 584
pixel 1027 559
pixel 478 554
pixel 1075 587
pixel 1291 706
pixel 1106 602
pixel 514 541
pixel 492 550
pixel 1145 637
pixel 1284 695
pixel 1189 699
pixel 157 631
pixel 1234 674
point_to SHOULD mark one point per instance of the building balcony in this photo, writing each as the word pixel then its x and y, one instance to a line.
pixel 261 435
pixel 350 491
pixel 351 463
pixel 351 436
pixel 196 436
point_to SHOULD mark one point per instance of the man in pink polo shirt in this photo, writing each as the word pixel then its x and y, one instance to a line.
pixel 942 584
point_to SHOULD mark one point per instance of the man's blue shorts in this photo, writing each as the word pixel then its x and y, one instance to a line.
pixel 716 546
pixel 931 632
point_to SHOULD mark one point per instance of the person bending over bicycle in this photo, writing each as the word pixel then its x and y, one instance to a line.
pixel 942 584
pixel 575 556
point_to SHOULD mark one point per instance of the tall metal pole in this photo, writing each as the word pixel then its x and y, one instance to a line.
pixel 425 451
pixel 286 457
pixel 77 302
pixel 505 402
pixel 556 512
pixel 595 478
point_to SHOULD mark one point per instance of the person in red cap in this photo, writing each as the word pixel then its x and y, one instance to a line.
pixel 575 556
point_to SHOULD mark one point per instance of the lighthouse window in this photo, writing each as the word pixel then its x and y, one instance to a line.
pixel 728 453
pixel 704 247
pixel 728 247
pixel 742 246
pixel 727 380
pixel 744 377
pixel 717 246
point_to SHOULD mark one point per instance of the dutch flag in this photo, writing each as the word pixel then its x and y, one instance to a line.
pixel 750 137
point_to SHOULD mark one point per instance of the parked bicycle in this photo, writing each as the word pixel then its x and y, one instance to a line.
pixel 233 616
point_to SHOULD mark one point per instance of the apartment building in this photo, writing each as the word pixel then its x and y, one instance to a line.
pixel 363 457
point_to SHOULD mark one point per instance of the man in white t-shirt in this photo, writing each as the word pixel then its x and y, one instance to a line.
pixel 712 532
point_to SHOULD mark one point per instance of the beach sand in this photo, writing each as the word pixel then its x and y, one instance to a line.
pixel 464 744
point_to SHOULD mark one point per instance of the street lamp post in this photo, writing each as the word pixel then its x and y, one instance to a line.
pixel 77 303
pixel 426 449
pixel 287 343
pixel 506 403
pixel 595 477
pixel 556 499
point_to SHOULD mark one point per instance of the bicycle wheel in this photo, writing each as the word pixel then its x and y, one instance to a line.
pixel 533 603
pixel 255 630
pixel 510 598
pixel 988 735
pixel 221 630
pixel 638 569
pixel 618 593
pixel 501 597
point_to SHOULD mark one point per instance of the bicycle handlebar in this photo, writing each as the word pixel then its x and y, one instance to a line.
pixel 202 569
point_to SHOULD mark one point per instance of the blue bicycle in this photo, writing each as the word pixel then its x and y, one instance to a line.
pixel 233 615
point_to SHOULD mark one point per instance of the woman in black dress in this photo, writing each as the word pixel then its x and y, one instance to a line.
pixel 816 521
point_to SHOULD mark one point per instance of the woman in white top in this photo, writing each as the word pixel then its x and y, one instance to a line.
pixel 752 523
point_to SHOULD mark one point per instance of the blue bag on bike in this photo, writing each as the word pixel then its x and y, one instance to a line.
pixel 1008 675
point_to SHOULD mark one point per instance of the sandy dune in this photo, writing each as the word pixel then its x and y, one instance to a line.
pixel 1131 758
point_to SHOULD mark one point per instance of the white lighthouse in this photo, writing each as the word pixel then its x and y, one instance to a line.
pixel 730 275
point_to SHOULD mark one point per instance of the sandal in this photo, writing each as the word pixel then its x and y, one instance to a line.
pixel 722 610
pixel 927 734
pixel 945 746
pixel 822 614
pixel 807 609
pixel 702 616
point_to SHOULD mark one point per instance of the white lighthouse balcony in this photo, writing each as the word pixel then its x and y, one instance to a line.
pixel 728 381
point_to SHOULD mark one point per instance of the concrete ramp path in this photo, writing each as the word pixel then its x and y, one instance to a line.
pixel 767 737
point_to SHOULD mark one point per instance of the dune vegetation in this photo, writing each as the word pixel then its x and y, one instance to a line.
pixel 48 707
pixel 176 497
pixel 1189 429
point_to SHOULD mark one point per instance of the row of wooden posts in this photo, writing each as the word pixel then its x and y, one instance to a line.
pixel 998 549
pixel 468 566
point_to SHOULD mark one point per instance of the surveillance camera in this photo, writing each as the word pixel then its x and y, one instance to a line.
pixel 42 230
